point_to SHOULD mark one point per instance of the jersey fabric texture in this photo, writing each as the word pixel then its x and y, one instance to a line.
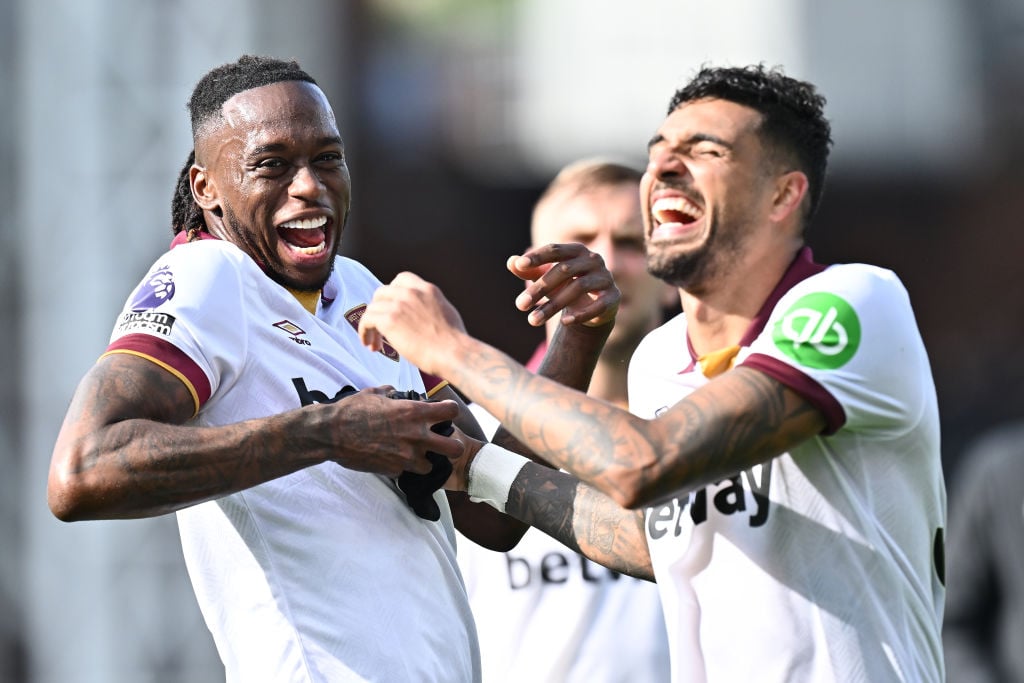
pixel 546 614
pixel 325 574
pixel 821 564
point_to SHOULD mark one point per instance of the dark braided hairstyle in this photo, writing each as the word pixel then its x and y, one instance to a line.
pixel 793 120
pixel 185 213
pixel 208 97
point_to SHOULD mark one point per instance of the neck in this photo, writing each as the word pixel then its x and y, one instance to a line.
pixel 718 315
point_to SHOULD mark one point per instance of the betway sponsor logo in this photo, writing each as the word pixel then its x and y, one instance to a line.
pixel 555 568
pixel 728 497
pixel 308 397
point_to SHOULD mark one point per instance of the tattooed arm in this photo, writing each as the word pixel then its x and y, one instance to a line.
pixel 570 360
pixel 739 419
pixel 582 518
pixel 125 451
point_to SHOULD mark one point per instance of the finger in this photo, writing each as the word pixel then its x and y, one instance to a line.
pixel 419 464
pixel 536 257
pixel 598 312
pixel 445 445
pixel 439 411
pixel 587 297
pixel 370 336
pixel 521 267
pixel 577 261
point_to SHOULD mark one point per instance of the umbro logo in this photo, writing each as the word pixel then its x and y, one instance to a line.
pixel 294 331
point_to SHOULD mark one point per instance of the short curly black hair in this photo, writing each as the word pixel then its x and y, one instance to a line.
pixel 793 118
pixel 208 97
pixel 227 80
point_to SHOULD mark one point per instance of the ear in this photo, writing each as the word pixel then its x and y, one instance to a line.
pixel 790 191
pixel 204 190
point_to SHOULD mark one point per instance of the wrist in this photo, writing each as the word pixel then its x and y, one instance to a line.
pixel 491 474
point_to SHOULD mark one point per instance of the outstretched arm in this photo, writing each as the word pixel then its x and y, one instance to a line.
pixel 582 518
pixel 740 419
pixel 126 451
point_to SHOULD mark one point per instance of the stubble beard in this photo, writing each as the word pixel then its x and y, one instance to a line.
pixel 692 271
pixel 243 234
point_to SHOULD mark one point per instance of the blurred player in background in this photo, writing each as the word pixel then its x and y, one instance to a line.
pixel 544 613
pixel 983 632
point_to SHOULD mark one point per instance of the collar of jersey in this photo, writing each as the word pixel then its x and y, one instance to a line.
pixel 308 300
pixel 720 360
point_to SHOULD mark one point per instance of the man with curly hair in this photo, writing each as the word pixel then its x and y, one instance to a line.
pixel 779 472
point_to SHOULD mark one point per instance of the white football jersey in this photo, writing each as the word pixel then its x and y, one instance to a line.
pixel 325 574
pixel 546 614
pixel 825 563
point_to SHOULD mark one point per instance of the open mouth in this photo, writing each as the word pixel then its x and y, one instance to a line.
pixel 305 236
pixel 677 209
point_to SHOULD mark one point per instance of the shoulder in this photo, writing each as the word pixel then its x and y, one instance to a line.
pixel 854 281
pixel 849 299
pixel 667 338
pixel 206 260
pixel 671 332
pixel 202 276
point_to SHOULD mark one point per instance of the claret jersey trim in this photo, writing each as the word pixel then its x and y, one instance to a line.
pixel 807 387
pixel 802 267
pixel 169 357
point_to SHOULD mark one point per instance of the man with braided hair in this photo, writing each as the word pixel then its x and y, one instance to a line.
pixel 779 470
pixel 185 215
pixel 235 393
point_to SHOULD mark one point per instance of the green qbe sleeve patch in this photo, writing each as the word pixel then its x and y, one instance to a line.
pixel 819 331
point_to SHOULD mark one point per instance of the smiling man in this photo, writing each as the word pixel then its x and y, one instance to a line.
pixel 779 470
pixel 236 393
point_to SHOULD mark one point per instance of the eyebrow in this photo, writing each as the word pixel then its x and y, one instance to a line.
pixel 278 146
pixel 695 138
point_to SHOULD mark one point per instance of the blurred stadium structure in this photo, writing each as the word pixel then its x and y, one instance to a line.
pixel 462 110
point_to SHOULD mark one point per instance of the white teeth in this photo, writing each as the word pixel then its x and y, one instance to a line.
pixel 306 224
pixel 680 204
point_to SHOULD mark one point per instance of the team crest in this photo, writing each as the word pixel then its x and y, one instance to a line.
pixel 354 315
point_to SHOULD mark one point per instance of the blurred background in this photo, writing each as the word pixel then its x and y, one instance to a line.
pixel 455 114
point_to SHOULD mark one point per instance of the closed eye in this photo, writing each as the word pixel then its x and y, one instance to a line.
pixel 331 158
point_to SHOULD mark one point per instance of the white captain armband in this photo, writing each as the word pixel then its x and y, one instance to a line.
pixel 491 475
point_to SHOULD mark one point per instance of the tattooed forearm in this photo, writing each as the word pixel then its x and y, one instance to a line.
pixel 581 518
pixel 740 419
pixel 127 448
pixel 570 360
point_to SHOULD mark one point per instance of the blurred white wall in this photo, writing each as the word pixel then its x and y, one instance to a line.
pixel 592 76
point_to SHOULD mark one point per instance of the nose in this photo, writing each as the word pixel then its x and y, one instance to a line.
pixel 306 183
pixel 663 163
pixel 604 246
